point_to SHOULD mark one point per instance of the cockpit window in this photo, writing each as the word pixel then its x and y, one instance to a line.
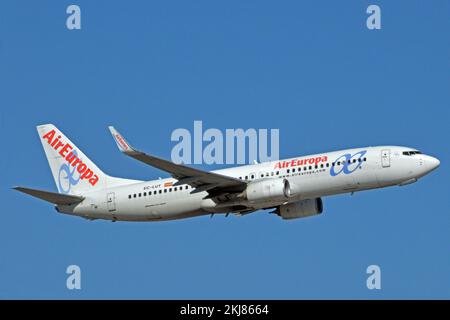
pixel 411 153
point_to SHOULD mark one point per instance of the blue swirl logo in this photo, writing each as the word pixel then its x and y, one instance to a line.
pixel 66 176
pixel 349 163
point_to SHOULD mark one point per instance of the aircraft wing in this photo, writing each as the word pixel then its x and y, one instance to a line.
pixel 52 197
pixel 215 184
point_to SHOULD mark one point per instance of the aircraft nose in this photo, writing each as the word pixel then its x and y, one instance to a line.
pixel 434 163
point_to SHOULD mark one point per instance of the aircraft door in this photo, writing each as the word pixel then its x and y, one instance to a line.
pixel 385 158
pixel 111 201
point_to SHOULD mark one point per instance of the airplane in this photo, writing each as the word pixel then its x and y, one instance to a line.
pixel 291 188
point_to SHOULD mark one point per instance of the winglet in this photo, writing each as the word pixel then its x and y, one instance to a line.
pixel 122 144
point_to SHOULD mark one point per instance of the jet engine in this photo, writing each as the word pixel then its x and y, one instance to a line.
pixel 300 209
pixel 268 190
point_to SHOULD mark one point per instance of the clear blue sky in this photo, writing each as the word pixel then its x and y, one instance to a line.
pixel 311 69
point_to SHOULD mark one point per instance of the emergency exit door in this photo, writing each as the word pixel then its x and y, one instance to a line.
pixel 385 158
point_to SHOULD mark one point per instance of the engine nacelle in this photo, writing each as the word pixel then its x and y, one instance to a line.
pixel 300 209
pixel 268 190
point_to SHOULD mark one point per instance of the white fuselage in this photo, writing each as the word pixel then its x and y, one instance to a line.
pixel 309 177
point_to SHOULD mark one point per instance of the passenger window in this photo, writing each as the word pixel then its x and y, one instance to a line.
pixel 321 165
pixel 246 177
pixel 154 192
pixel 338 163
pixel 134 196
pixel 310 167
pixel 170 189
pixel 293 170
pixel 271 173
pixel 140 195
pixel 365 159
pixel 129 196
pixel 316 166
pixel 278 172
pixel 327 164
pixel 145 194
pixel 160 191
pixel 186 187
pixel 165 190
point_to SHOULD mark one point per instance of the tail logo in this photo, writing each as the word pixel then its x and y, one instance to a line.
pixel 348 163
pixel 67 152
pixel 69 175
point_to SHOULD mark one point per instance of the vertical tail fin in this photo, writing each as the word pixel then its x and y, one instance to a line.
pixel 72 170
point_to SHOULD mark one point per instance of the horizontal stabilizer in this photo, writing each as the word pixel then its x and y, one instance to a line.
pixel 52 197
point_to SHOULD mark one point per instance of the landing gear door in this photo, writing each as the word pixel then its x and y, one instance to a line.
pixel 111 201
pixel 385 158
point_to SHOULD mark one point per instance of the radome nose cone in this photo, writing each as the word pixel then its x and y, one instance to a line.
pixel 433 163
